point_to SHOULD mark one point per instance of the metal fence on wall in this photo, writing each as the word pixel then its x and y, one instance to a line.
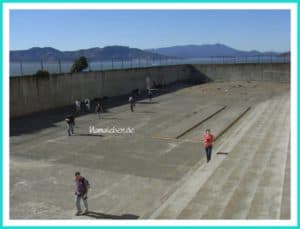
pixel 21 68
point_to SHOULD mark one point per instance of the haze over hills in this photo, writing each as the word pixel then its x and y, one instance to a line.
pixel 127 53
pixel 207 50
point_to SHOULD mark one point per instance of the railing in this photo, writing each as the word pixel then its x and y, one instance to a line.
pixel 56 67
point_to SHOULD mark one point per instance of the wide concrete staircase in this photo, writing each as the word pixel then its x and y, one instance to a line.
pixel 249 180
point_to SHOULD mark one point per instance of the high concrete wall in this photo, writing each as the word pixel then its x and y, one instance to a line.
pixel 32 94
pixel 259 72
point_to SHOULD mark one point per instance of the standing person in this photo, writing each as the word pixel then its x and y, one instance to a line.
pixel 77 105
pixel 87 104
pixel 131 102
pixel 98 109
pixel 70 119
pixel 150 95
pixel 208 139
pixel 82 186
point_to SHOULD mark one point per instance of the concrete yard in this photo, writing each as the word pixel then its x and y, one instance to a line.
pixel 160 171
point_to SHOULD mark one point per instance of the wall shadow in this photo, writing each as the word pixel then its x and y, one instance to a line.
pixel 99 215
pixel 88 135
pixel 147 102
pixel 196 76
pixel 222 153
pixel 45 119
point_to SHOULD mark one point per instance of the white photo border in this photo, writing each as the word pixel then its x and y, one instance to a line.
pixel 150 6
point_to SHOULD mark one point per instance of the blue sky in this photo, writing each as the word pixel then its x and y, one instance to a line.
pixel 67 30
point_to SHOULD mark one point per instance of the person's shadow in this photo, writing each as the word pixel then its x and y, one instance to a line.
pixel 98 215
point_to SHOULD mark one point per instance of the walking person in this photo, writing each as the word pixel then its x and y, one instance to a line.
pixel 82 186
pixel 98 109
pixel 77 105
pixel 70 119
pixel 208 140
pixel 131 102
pixel 150 95
pixel 87 104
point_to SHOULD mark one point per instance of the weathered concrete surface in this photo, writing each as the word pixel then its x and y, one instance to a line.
pixel 139 176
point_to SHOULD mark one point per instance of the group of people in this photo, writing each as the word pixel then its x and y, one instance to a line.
pixel 70 119
pixel 81 183
pixel 86 102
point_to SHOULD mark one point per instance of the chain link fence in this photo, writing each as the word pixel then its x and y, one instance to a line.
pixel 20 68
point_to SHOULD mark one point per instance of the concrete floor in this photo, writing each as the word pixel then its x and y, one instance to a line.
pixel 160 171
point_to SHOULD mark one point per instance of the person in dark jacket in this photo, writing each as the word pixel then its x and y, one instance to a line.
pixel 99 109
pixel 81 190
pixel 131 103
pixel 150 95
pixel 70 119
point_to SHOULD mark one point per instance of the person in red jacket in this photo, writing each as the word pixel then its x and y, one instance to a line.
pixel 208 139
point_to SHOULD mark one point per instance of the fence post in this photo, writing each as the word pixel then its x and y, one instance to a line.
pixel 21 68
pixel 59 66
pixel 262 73
pixel 42 65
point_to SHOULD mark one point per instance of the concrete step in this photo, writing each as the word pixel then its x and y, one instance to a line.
pixel 194 180
pixel 285 211
pixel 216 124
pixel 267 201
pixel 219 189
pixel 241 201
pixel 189 122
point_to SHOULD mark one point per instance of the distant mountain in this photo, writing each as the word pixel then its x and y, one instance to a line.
pixel 106 53
pixel 285 54
pixel 196 51
pixel 127 53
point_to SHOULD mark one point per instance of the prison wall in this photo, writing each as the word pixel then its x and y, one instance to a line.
pixel 29 94
pixel 279 72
